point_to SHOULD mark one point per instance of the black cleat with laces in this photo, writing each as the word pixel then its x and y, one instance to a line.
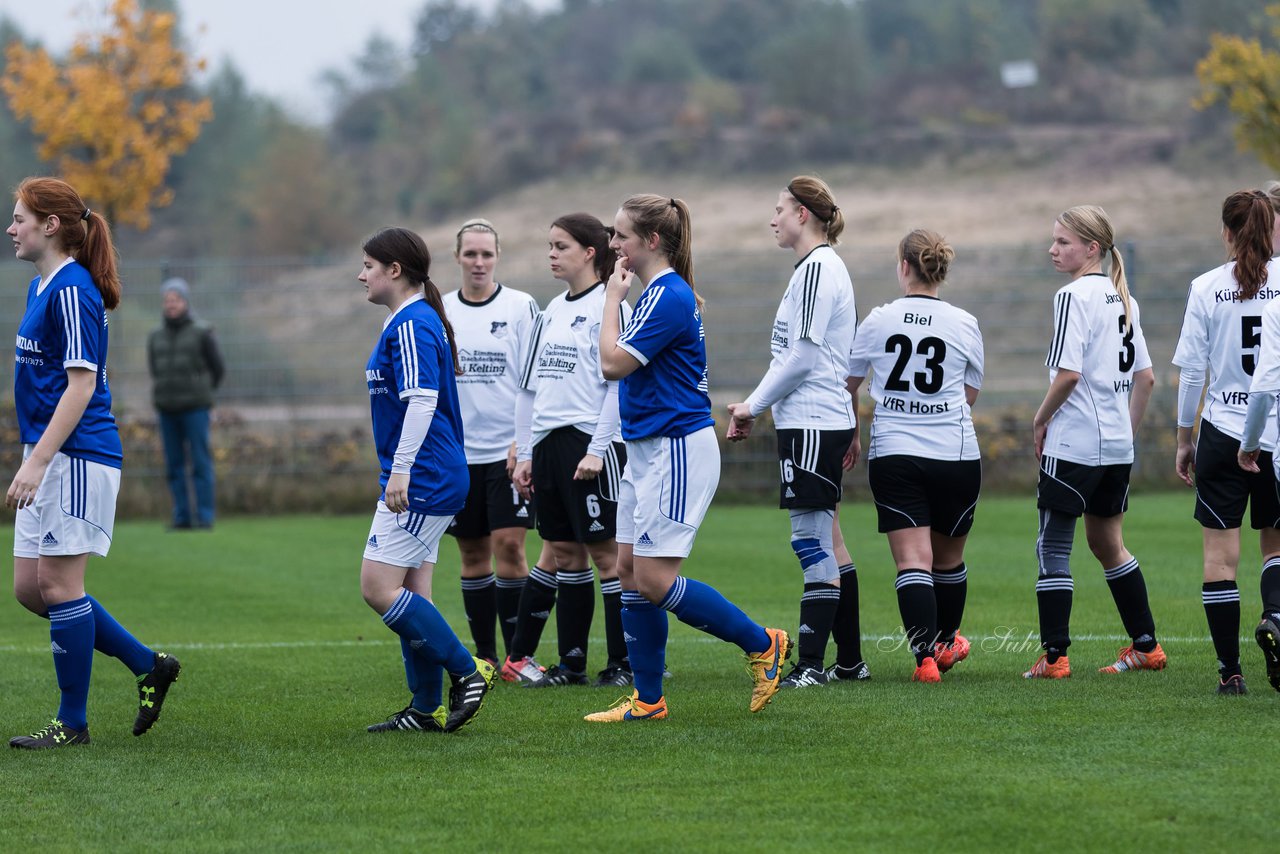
pixel 1268 637
pixel 152 689
pixel 466 695
pixel 858 673
pixel 410 719
pixel 557 677
pixel 1232 686
pixel 54 734
pixel 614 676
pixel 804 675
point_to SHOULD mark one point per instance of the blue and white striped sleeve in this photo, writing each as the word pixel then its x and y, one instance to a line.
pixel 416 358
pixel 80 323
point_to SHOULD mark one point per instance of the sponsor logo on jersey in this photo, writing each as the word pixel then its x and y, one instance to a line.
pixel 644 540
pixel 522 513
pixel 29 345
pixel 373 376
pixel 595 526
pixel 49 539
pixel 498 329
pixel 790 493
pixel 577 321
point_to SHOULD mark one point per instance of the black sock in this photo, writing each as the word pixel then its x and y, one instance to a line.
pixel 611 593
pixel 536 601
pixel 480 602
pixel 1129 590
pixel 575 606
pixel 1222 609
pixel 818 606
pixel 847 629
pixel 1053 596
pixel 509 590
pixel 950 588
pixel 919 611
pixel 1271 586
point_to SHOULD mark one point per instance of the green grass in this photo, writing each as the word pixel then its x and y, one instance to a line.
pixel 262 743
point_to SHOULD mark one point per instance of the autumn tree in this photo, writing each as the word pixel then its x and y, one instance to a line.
pixel 1245 75
pixel 112 114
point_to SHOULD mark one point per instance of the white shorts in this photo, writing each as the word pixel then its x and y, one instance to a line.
pixel 74 512
pixel 404 539
pixel 666 489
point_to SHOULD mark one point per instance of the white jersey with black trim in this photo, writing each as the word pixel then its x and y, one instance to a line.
pixel 1091 337
pixel 491 337
pixel 1222 332
pixel 818 305
pixel 562 363
pixel 921 352
pixel 1266 377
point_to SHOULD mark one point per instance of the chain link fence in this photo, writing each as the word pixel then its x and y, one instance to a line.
pixel 291 429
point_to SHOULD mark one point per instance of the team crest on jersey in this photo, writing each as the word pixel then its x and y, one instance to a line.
pixel 578 321
pixel 498 329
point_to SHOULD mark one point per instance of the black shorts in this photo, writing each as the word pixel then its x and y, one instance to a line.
pixel 568 510
pixel 917 492
pixel 1077 489
pixel 492 504
pixel 811 468
pixel 1223 488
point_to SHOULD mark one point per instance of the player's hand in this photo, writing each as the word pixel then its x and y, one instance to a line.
pixel 22 492
pixel 1038 432
pixel 588 467
pixel 854 453
pixel 522 479
pixel 1248 460
pixel 1184 463
pixel 511 461
pixel 620 280
pixel 396 495
pixel 741 422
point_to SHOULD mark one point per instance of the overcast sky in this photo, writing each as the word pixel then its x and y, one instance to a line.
pixel 280 46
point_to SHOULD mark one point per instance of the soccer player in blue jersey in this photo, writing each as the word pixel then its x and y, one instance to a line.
pixel 417 429
pixel 65 490
pixel 673 460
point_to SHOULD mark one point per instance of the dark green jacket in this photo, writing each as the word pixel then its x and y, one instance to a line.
pixel 186 365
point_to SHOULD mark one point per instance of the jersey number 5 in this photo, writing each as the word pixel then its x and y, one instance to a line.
pixel 928 381
pixel 1250 339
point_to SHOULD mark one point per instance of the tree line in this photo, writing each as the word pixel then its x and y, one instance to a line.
pixel 483 103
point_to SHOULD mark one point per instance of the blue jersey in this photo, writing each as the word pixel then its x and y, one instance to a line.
pixel 65 326
pixel 413 354
pixel 667 394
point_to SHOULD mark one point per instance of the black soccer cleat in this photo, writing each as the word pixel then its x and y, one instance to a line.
pixel 804 676
pixel 466 696
pixel 410 719
pixel 152 689
pixel 558 677
pixel 858 673
pixel 54 734
pixel 1232 686
pixel 614 676
pixel 1268 637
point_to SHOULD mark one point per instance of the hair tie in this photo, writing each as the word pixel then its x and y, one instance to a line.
pixel 835 208
pixel 673 203
pixel 86 213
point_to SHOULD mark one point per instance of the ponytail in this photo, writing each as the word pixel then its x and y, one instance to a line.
pixel 83 234
pixel 669 219
pixel 1248 217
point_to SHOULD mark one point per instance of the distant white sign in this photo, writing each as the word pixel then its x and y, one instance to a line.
pixel 1019 75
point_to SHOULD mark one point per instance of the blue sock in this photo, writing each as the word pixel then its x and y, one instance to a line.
pixel 113 639
pixel 644 628
pixel 703 607
pixel 71 636
pixel 417 620
pixel 426 681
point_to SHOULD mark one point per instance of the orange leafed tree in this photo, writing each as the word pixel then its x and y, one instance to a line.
pixel 112 115
pixel 1246 75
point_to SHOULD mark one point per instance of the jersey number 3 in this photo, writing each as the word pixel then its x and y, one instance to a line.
pixel 928 381
pixel 1127 354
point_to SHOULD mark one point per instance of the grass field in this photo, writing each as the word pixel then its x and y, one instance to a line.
pixel 262 743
